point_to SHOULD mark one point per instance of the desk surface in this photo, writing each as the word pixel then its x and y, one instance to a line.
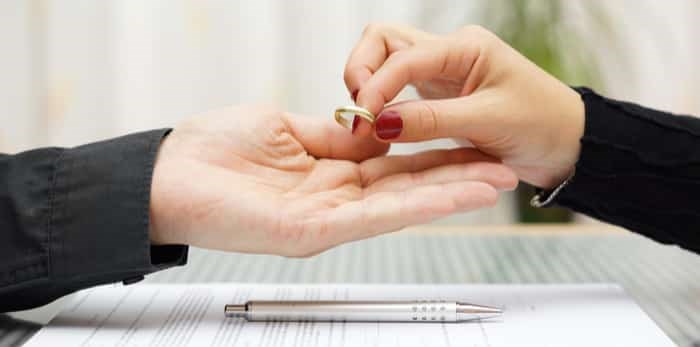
pixel 664 280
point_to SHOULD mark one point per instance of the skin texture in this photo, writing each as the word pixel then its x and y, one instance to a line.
pixel 253 179
pixel 474 87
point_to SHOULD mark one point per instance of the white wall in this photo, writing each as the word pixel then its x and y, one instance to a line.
pixel 21 76
pixel 656 59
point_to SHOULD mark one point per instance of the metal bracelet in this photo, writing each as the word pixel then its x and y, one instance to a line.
pixel 536 200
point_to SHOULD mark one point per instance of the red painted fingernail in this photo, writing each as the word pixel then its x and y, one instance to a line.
pixel 389 125
pixel 353 95
pixel 355 123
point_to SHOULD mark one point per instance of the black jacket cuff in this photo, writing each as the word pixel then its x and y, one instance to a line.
pixel 78 217
pixel 99 218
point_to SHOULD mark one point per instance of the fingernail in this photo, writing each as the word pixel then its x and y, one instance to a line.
pixel 355 123
pixel 389 125
pixel 353 95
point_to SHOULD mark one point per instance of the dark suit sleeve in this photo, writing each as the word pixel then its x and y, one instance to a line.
pixel 639 168
pixel 77 217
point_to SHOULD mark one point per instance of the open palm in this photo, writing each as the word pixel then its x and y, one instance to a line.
pixel 251 179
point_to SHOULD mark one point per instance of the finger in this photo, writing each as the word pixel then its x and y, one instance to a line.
pixel 367 56
pixel 422 120
pixel 361 128
pixel 423 61
pixel 375 169
pixel 497 175
pixel 325 139
pixel 376 44
pixel 390 211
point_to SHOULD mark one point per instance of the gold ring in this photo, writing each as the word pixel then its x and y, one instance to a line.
pixel 355 110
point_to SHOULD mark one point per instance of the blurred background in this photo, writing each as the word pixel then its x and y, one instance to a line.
pixel 77 71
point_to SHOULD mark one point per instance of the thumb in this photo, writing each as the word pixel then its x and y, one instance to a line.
pixel 422 120
pixel 325 139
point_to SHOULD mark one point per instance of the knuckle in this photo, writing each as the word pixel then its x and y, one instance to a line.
pixel 474 29
pixel 372 29
pixel 365 174
pixel 477 33
pixel 352 72
pixel 428 120
pixel 400 63
pixel 347 75
pixel 397 57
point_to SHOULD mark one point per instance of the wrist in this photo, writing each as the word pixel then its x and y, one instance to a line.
pixel 569 134
pixel 158 229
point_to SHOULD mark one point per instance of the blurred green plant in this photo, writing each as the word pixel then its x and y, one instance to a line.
pixel 546 32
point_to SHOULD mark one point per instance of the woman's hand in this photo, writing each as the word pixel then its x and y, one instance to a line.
pixel 251 179
pixel 476 88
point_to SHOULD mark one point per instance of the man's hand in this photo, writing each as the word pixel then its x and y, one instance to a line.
pixel 252 179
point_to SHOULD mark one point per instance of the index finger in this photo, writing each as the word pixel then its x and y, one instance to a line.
pixel 421 62
pixel 377 43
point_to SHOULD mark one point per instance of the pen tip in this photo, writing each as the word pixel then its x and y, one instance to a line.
pixel 477 309
pixel 467 312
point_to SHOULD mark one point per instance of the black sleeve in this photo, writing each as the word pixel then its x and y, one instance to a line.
pixel 640 169
pixel 78 217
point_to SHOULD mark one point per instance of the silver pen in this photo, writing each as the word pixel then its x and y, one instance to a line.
pixel 361 311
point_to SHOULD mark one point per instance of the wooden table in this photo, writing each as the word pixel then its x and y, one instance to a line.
pixel 664 280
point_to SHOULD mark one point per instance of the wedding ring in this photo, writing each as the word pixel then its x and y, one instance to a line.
pixel 344 115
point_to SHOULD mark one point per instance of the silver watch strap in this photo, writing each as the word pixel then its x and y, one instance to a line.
pixel 548 196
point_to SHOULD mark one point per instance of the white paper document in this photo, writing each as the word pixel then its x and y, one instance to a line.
pixel 192 315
